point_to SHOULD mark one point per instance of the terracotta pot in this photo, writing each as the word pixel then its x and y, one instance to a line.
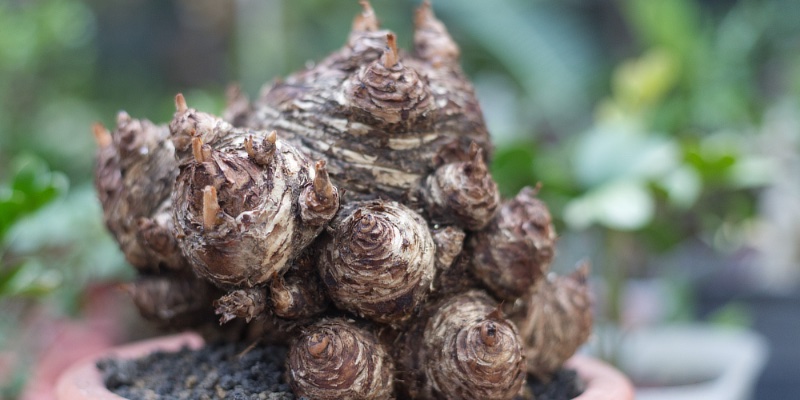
pixel 83 380
pixel 603 382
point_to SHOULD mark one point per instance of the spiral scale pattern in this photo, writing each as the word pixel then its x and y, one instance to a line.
pixel 463 193
pixel 389 93
pixel 379 263
pixel 335 359
pixel 471 351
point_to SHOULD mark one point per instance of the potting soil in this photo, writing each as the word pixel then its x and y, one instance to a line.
pixel 232 371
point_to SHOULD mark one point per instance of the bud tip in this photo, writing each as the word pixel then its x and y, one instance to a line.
pixel 180 103
pixel 210 207
pixel 101 135
pixel 390 56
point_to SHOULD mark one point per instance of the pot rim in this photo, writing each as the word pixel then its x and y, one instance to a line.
pixel 603 382
pixel 83 380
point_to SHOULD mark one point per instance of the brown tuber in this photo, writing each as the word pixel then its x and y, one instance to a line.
pixel 514 252
pixel 235 204
pixel 555 321
pixel 467 350
pixel 134 173
pixel 349 213
pixel 335 359
pixel 379 263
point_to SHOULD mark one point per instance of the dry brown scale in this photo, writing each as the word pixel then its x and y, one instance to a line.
pixel 348 212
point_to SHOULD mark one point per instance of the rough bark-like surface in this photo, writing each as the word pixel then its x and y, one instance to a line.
pixel 247 206
pixel 380 127
pixel 174 302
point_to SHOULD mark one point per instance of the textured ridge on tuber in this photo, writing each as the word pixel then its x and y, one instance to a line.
pixel 348 212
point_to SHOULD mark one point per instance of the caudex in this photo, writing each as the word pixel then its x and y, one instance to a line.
pixel 349 213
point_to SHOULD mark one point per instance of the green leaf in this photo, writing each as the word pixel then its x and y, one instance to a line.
pixel 32 187
pixel 7 274
pixel 512 168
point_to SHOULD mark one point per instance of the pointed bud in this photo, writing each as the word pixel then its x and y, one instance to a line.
pixel 390 55
pixel 581 273
pixel 261 153
pixel 388 90
pixel 180 103
pixel 366 21
pixel 335 359
pixel 380 261
pixel 249 148
pixel 210 207
pixel 200 151
pixel 322 183
pixel 317 346
pixel 243 303
pixel 477 167
pixel 489 333
pixel 101 135
pixel 123 118
pixel 319 201
pixel 432 42
pixel 238 106
pixel 188 123
pixel 467 352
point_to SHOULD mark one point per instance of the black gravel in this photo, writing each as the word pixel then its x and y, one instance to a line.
pixel 218 371
pixel 564 385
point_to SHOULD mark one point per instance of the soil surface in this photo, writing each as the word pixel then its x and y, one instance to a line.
pixel 232 371
pixel 565 385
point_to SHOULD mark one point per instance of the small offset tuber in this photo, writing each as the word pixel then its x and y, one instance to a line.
pixel 379 263
pixel 349 213
pixel 555 321
pixel 335 359
pixel 514 252
pixel 467 350
pixel 134 177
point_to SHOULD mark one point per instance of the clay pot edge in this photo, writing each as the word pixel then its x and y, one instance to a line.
pixel 83 380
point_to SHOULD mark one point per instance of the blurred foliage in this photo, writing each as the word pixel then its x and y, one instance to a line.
pixel 32 187
pixel 671 154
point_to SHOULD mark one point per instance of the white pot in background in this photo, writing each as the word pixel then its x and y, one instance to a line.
pixel 707 362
